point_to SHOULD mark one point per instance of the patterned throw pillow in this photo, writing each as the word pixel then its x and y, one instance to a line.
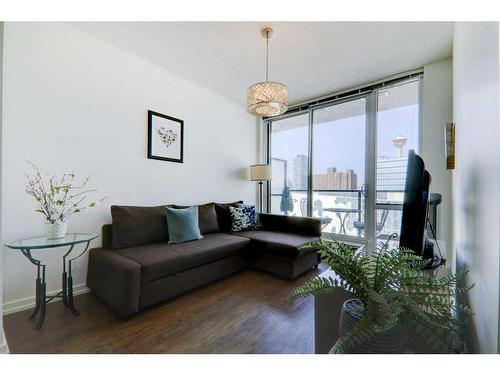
pixel 243 217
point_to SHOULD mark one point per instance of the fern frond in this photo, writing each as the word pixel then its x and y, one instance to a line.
pixel 317 285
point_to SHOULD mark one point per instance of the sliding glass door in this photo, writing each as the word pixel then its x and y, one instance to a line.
pixel 397 132
pixel 344 161
pixel 290 163
pixel 338 166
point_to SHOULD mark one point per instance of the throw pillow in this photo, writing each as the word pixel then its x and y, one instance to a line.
pixel 133 226
pixel 207 217
pixel 183 224
pixel 224 216
pixel 243 217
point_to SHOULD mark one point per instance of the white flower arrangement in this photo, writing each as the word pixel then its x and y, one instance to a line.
pixel 59 197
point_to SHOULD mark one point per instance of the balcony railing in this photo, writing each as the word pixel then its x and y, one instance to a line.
pixel 342 210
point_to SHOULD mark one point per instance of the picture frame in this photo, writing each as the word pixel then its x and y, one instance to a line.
pixel 449 145
pixel 165 137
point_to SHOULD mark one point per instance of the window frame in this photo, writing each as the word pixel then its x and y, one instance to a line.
pixel 370 92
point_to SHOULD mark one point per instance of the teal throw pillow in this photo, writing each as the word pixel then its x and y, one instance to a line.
pixel 182 224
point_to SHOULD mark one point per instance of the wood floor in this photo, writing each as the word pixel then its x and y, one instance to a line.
pixel 245 313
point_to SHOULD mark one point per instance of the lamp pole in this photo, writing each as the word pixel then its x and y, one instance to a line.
pixel 260 173
pixel 260 195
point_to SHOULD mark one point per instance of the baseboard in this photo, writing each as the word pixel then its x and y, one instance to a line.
pixel 29 303
pixel 4 348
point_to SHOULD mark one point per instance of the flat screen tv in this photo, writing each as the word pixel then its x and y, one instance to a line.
pixel 415 206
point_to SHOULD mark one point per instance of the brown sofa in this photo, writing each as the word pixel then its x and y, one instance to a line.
pixel 136 267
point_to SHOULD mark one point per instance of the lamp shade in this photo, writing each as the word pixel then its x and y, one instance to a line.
pixel 260 172
pixel 267 99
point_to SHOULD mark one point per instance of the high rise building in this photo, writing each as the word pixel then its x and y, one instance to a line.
pixel 319 181
pixel 334 180
pixel 351 179
pixel 391 172
pixel 391 176
pixel 330 178
pixel 299 178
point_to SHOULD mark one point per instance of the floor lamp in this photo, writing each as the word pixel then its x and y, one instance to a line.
pixel 260 173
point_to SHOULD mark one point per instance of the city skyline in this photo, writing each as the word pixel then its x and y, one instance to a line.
pixel 335 180
pixel 332 179
pixel 299 174
pixel 391 172
pixel 343 144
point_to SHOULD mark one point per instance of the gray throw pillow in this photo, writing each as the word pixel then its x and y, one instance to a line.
pixel 182 224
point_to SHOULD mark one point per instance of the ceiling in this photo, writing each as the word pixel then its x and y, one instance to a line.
pixel 311 58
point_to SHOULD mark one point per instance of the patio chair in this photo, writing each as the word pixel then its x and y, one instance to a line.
pixel 360 225
pixel 324 219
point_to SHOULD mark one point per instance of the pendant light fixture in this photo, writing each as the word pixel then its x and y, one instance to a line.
pixel 267 99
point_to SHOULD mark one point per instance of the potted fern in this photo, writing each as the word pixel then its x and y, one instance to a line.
pixel 392 296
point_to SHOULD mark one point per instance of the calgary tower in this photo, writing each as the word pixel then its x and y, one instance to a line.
pixel 399 142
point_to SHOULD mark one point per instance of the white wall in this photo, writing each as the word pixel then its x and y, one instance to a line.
pixel 3 344
pixel 437 110
pixel 476 179
pixel 72 102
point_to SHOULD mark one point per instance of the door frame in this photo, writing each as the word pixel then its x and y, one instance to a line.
pixel 362 95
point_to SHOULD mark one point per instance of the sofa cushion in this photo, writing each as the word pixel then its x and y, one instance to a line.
pixel 161 260
pixel 308 226
pixel 279 243
pixel 207 217
pixel 133 226
pixel 224 216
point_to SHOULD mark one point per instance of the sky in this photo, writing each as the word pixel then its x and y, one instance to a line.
pixel 341 143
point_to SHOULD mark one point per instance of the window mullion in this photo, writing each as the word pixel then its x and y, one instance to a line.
pixel 310 166
pixel 371 170
pixel 267 157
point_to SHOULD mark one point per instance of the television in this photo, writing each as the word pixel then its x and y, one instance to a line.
pixel 415 209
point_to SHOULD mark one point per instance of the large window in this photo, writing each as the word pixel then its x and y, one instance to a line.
pixel 339 166
pixel 326 156
pixel 397 132
pixel 290 163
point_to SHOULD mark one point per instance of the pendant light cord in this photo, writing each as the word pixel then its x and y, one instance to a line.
pixel 267 56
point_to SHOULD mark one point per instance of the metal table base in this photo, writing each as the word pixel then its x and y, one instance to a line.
pixel 41 297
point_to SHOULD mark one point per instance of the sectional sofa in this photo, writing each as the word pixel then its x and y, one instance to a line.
pixel 136 267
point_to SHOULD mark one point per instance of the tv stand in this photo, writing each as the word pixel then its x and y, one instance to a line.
pixel 433 251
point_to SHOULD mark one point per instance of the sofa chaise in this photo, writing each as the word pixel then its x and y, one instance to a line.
pixel 136 267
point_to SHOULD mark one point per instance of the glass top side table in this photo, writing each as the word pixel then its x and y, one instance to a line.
pixel 39 243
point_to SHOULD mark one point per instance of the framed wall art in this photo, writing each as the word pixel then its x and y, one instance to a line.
pixel 449 146
pixel 165 137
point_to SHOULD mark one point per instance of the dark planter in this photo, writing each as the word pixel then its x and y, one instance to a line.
pixel 391 341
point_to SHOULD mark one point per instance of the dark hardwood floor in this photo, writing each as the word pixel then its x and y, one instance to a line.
pixel 245 313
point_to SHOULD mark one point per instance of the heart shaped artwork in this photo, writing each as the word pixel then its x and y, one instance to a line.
pixel 167 136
